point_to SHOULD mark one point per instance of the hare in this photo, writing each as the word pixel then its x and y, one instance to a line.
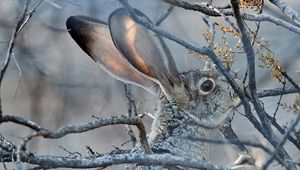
pixel 191 104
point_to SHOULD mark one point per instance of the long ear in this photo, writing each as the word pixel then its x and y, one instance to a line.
pixel 94 38
pixel 141 48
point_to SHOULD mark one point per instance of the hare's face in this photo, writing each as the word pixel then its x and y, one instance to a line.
pixel 211 97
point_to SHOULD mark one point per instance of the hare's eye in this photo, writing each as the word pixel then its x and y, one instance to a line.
pixel 206 85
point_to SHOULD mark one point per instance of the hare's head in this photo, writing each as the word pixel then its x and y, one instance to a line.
pixel 132 53
pixel 211 97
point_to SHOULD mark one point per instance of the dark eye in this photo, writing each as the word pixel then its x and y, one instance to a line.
pixel 207 86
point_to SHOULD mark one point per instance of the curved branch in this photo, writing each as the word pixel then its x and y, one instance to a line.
pixel 71 129
pixel 21 121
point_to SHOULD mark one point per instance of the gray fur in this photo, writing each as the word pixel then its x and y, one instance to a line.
pixel 197 119
pixel 173 124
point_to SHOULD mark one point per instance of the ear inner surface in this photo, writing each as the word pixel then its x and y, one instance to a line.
pixel 140 47
pixel 94 38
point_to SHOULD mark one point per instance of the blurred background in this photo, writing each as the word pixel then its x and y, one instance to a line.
pixel 51 81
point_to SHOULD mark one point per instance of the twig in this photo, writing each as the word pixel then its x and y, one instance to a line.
pixel 296 141
pixel 247 47
pixel 164 16
pixel 23 20
pixel 132 110
pixel 259 22
pixel 281 143
pixel 205 8
pixel 290 80
pixel 277 92
pixel 73 154
pixel 4 165
pixel 211 29
pixel 20 74
pixel 21 147
pixel 272 19
pixel 287 10
pixel 280 98
pixel 230 135
pixel 232 141
pixel 266 131
pixel 6 144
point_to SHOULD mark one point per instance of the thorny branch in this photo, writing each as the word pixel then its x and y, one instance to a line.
pixel 8 150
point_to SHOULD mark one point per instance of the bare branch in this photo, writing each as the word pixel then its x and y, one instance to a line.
pixel 21 121
pixel 230 141
pixel 247 47
pixel 272 19
pixel 277 92
pixel 295 141
pixel 287 10
pixel 165 15
pixel 290 80
pixel 108 160
pixel 230 135
pixel 99 122
pixel 205 8
pixel 218 12
pixel 6 144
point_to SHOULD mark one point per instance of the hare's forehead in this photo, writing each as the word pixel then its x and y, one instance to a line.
pixel 196 75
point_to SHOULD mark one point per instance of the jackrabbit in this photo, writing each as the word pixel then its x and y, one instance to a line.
pixel 191 104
